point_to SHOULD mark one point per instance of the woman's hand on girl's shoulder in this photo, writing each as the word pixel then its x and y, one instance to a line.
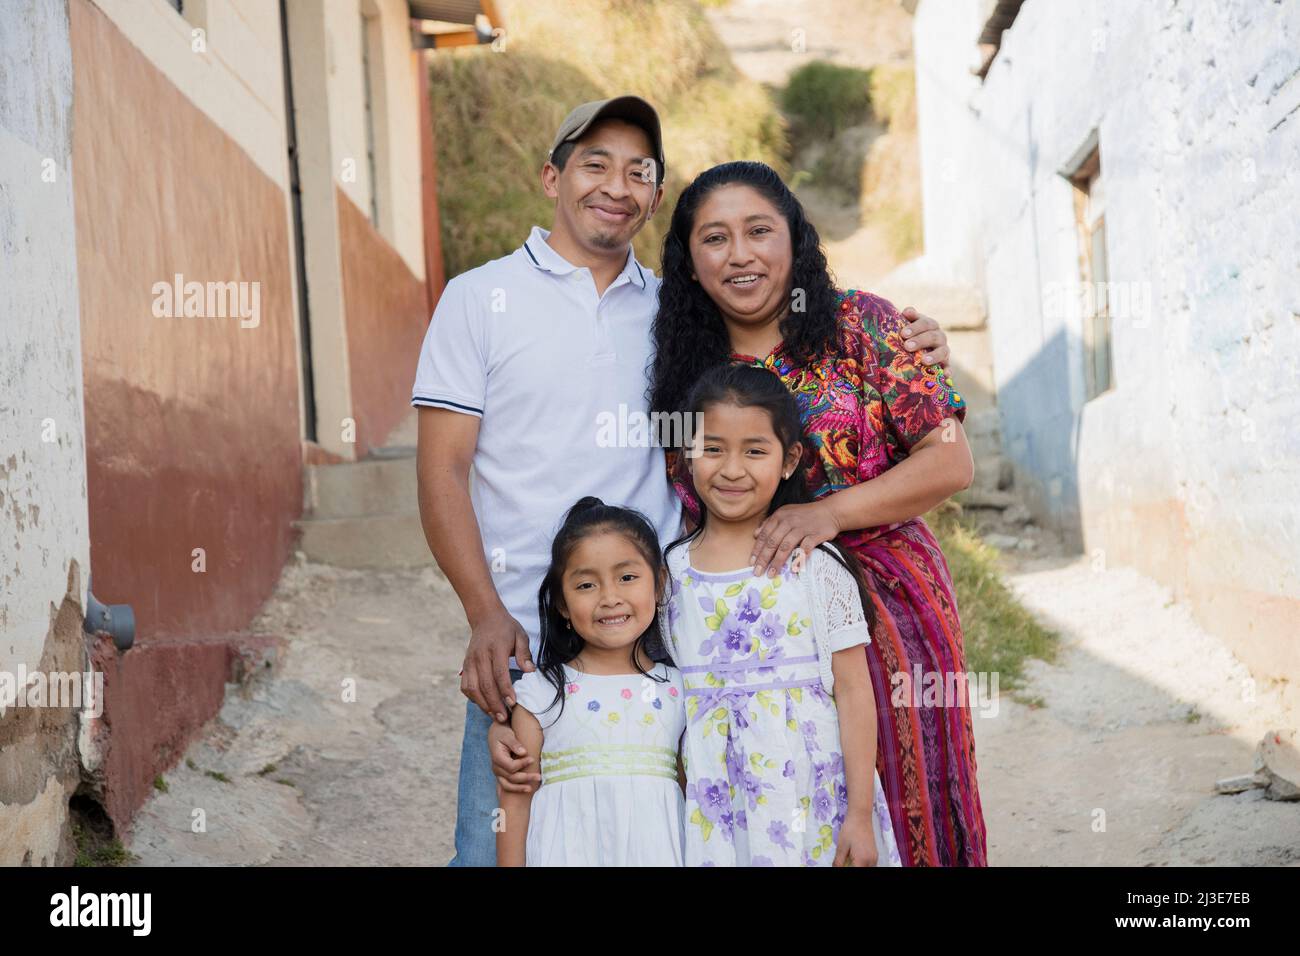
pixel 792 526
pixel 857 843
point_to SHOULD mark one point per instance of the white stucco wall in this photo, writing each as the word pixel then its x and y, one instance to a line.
pixel 1188 468
pixel 43 518
pixel 396 118
pixel 947 127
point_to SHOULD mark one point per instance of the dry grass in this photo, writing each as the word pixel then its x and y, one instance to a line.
pixel 890 191
pixel 1000 633
pixel 496 112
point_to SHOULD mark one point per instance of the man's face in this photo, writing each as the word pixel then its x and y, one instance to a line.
pixel 602 195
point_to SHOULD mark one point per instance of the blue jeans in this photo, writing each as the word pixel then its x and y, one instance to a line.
pixel 476 794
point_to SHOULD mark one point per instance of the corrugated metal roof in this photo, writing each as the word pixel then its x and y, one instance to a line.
pixel 451 11
pixel 990 41
pixel 1004 14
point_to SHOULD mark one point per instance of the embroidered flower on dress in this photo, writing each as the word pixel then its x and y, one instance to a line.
pixel 779 833
pixel 749 607
pixel 823 805
pixel 712 797
pixel 769 629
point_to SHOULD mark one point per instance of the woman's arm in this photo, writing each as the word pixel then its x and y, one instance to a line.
pixel 512 838
pixel 855 703
pixel 936 468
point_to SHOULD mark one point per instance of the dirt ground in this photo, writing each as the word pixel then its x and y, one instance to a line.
pixel 362 726
pixel 1139 717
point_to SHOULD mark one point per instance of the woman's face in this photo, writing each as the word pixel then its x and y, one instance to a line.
pixel 741 254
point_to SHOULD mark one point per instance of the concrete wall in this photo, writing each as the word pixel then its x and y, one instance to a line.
pixel 162 446
pixel 192 421
pixel 1187 468
pixel 946 130
pixel 385 306
pixel 329 105
pixel 44 540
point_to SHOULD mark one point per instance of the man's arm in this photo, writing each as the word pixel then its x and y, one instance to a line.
pixel 446 450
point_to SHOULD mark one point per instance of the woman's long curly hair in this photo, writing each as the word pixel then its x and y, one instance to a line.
pixel 689 334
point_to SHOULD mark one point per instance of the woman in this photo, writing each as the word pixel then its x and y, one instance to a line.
pixel 745 279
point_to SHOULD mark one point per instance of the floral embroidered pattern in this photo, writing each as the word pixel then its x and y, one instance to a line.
pixel 765 776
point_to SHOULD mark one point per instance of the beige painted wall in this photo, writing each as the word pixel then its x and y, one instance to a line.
pixel 395 116
pixel 224 56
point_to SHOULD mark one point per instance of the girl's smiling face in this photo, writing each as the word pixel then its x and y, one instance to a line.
pixel 738 461
pixel 609 591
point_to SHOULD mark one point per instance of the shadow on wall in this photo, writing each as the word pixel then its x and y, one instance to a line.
pixel 1040 438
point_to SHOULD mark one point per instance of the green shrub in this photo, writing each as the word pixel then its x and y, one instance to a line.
pixel 823 98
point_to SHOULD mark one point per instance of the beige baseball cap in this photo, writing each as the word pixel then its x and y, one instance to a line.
pixel 633 109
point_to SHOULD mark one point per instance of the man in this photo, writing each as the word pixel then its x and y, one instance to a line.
pixel 522 358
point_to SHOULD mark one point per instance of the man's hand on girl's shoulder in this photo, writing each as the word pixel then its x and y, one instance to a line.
pixel 485 676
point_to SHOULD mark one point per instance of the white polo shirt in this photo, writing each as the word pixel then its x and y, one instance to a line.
pixel 524 343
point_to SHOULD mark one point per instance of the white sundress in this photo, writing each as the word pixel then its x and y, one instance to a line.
pixel 609 793
pixel 764 768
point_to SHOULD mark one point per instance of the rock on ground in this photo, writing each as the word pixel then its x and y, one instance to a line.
pixel 370 779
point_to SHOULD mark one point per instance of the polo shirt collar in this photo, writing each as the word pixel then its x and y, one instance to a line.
pixel 543 257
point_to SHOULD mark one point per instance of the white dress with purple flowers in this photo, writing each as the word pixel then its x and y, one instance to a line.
pixel 764 768
pixel 609 793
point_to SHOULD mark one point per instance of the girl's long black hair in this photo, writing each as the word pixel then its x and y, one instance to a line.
pixel 689 335
pixel 560 644
pixel 748 386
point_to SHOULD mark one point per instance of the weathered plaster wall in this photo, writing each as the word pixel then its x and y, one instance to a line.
pixel 1187 469
pixel 44 540
pixel 385 306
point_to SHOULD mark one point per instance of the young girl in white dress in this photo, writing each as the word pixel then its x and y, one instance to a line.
pixel 605 718
pixel 778 771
